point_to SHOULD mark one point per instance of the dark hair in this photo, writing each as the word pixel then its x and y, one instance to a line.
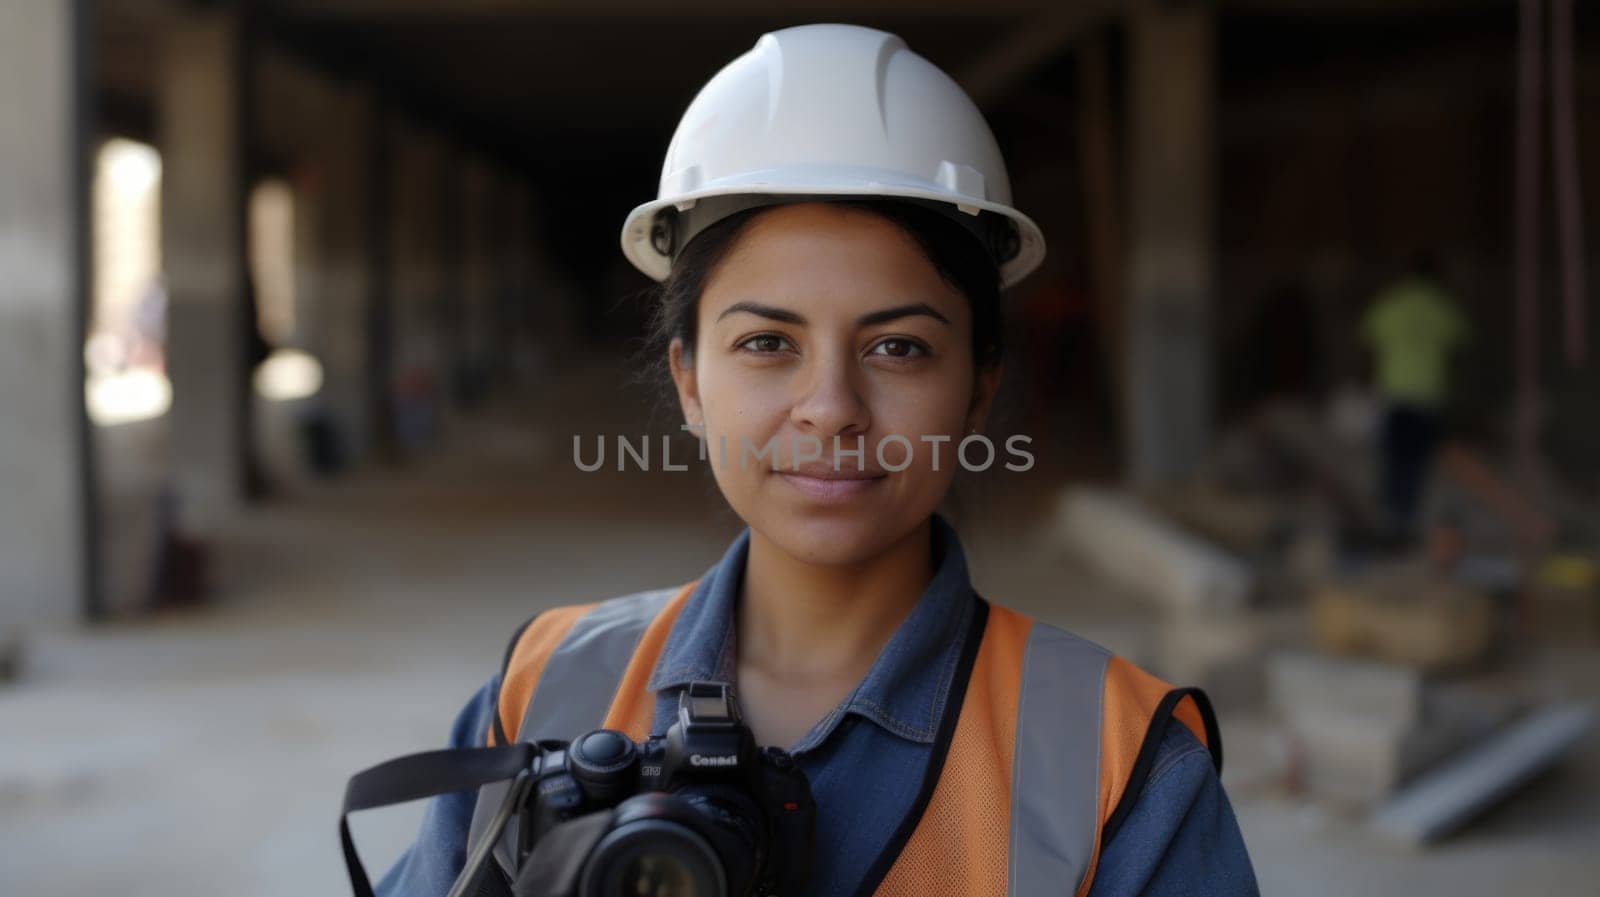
pixel 955 253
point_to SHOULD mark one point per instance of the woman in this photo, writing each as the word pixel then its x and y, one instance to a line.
pixel 834 230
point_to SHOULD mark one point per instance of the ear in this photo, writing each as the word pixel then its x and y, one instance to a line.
pixel 682 365
pixel 983 390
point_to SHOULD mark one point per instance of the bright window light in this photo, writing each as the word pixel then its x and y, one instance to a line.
pixel 287 375
pixel 132 395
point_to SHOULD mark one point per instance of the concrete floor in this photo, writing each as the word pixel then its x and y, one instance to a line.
pixel 205 751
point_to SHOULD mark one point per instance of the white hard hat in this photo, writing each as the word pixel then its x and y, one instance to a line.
pixel 836 111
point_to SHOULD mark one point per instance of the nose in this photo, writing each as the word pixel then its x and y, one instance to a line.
pixel 830 399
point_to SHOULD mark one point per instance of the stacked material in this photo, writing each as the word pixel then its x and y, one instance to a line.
pixel 1139 550
pixel 1359 728
pixel 1405 616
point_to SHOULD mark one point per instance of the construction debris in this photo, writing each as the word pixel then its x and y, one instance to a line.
pixel 1359 729
pixel 1405 615
pixel 1226 653
pixel 1564 601
pixel 1369 689
pixel 1411 682
pixel 1469 471
pixel 1248 526
pixel 1341 471
pixel 1130 545
pixel 1448 797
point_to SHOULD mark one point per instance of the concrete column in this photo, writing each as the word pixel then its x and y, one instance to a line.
pixel 339 331
pixel 521 349
pixel 419 377
pixel 555 325
pixel 202 239
pixel 1168 394
pixel 479 280
pixel 380 283
pixel 506 288
pixel 452 278
pixel 45 556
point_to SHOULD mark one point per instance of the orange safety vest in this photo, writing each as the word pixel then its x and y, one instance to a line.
pixel 1051 747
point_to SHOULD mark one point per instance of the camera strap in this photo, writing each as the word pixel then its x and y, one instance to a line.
pixel 416 776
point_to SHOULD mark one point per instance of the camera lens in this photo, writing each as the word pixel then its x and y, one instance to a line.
pixel 658 874
pixel 653 858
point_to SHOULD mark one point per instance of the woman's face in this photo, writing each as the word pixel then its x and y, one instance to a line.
pixel 826 329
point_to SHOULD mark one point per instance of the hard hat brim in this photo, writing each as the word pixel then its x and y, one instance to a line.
pixel 825 182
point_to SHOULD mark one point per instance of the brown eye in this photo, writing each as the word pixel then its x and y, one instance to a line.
pixel 899 348
pixel 764 343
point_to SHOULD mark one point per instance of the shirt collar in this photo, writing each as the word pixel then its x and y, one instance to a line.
pixel 904 692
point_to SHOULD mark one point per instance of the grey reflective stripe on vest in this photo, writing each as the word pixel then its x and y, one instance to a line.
pixel 1055 772
pixel 575 690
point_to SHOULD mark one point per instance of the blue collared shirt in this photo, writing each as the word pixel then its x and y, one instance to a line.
pixel 865 760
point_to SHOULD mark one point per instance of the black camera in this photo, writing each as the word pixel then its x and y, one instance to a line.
pixel 697 812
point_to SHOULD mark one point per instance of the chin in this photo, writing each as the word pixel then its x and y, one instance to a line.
pixel 831 537
pixel 828 543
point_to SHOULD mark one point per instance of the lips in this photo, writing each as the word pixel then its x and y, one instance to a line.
pixel 822 470
pixel 822 483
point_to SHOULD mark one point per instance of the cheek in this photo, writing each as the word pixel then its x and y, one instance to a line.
pixel 921 407
pixel 933 407
pixel 739 406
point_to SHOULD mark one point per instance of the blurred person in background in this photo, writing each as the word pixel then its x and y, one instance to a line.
pixel 1413 328
pixel 833 232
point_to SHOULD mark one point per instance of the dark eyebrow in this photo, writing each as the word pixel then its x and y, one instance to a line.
pixel 900 311
pixel 866 320
pixel 765 311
